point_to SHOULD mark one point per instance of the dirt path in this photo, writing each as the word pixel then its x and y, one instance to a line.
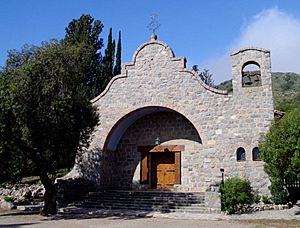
pixel 110 222
pixel 18 219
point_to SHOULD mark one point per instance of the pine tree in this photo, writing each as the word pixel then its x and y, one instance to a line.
pixel 117 69
pixel 85 33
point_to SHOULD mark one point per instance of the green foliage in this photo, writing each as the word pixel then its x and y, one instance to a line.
pixel 256 197
pixel 84 33
pixel 117 68
pixel 235 191
pixel 226 85
pixel 286 91
pixel 108 59
pixel 205 76
pixel 279 193
pixel 45 109
pixel 280 150
pixel 266 200
pixel 8 199
pixel 11 157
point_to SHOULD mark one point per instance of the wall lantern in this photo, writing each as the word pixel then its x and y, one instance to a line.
pixel 157 141
pixel 222 171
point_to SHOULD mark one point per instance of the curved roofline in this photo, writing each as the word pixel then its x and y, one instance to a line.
pixel 250 48
pixel 214 90
pixel 95 99
pixel 172 57
pixel 142 46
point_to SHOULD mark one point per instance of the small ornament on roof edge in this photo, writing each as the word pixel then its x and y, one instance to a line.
pixel 153 26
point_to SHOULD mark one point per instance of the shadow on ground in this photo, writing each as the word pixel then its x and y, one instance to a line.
pixel 111 214
pixel 18 225
pixel 82 214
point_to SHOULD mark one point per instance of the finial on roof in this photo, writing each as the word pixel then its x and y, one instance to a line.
pixel 153 37
pixel 153 26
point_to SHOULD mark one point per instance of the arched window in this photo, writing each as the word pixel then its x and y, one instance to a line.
pixel 256 154
pixel 240 154
pixel 251 75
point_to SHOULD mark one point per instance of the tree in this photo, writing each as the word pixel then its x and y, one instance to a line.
pixel 117 69
pixel 85 32
pixel 280 150
pixel 108 59
pixel 15 163
pixel 205 76
pixel 46 113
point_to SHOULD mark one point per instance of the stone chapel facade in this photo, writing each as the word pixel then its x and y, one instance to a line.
pixel 161 127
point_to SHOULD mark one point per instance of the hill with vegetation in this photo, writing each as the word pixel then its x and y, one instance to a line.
pixel 286 90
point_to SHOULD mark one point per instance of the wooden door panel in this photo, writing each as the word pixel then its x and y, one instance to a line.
pixel 160 168
pixel 163 170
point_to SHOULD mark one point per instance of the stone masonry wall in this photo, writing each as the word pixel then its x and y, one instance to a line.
pixel 172 129
pixel 155 78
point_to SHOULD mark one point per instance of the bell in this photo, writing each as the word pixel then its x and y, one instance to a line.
pixel 247 80
pixel 257 77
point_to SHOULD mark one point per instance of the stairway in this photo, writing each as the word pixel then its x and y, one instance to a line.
pixel 149 201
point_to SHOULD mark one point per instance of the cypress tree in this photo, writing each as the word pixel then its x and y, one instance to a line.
pixel 113 48
pixel 108 59
pixel 117 69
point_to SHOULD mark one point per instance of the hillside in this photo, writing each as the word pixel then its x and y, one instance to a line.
pixel 286 90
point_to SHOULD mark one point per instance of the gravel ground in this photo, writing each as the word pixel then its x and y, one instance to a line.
pixel 75 218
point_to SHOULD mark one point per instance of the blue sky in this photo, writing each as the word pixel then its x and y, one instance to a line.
pixel 205 32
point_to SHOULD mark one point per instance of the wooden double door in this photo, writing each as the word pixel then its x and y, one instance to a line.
pixel 160 167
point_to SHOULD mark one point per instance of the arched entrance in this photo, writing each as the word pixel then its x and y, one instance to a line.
pixel 150 148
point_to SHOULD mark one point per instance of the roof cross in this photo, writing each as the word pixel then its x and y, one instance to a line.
pixel 154 24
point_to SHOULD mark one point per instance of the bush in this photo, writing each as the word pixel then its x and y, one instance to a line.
pixel 8 199
pixel 266 200
pixel 280 150
pixel 279 193
pixel 235 191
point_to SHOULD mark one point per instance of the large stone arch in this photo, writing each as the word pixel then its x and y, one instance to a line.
pixel 123 123
pixel 140 129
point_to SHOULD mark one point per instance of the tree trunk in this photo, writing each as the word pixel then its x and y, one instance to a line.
pixel 49 196
pixel 41 164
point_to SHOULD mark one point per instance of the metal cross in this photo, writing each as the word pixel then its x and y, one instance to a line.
pixel 154 24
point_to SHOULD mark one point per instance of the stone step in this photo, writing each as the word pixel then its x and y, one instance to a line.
pixel 141 203
pixel 163 199
pixel 147 208
pixel 146 193
pixel 144 201
pixel 157 209
pixel 146 196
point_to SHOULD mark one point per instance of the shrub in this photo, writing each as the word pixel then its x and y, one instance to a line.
pixel 8 199
pixel 256 198
pixel 266 200
pixel 235 191
pixel 280 150
pixel 279 193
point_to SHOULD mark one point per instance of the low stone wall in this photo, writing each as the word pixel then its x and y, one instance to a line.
pixel 70 190
pixel 21 194
pixel 241 209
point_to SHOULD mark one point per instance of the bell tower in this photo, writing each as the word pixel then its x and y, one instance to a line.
pixel 251 70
